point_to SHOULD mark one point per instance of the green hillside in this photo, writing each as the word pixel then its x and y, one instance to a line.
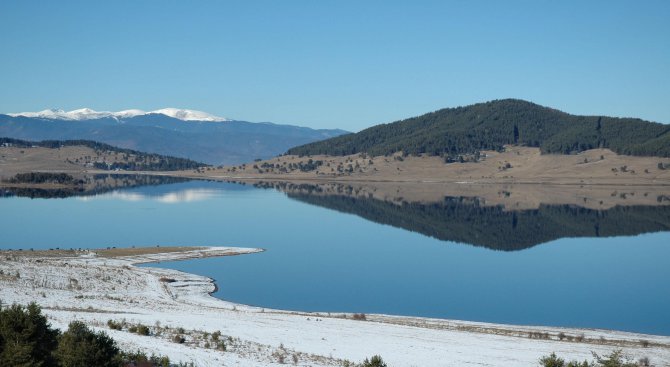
pixel 458 131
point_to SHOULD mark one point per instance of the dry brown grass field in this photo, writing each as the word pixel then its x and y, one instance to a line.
pixel 514 165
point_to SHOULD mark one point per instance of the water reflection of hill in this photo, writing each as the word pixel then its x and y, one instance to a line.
pixel 93 185
pixel 468 220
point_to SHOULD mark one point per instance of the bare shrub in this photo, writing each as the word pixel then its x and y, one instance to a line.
pixel 114 325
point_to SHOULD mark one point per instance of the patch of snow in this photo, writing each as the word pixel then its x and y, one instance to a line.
pixel 49 114
pixel 189 115
pixel 96 289
pixel 90 114
pixel 129 113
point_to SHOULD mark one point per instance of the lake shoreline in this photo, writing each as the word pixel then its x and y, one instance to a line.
pixel 85 287
pixel 514 165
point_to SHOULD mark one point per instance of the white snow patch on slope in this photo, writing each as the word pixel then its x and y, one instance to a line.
pixel 189 115
pixel 90 114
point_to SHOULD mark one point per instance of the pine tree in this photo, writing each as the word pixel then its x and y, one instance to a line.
pixel 375 361
pixel 28 339
pixel 81 347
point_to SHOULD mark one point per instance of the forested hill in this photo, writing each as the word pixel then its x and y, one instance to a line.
pixel 458 131
pixel 132 160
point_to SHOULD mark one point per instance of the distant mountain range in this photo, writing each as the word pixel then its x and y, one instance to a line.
pixel 454 132
pixel 89 114
pixel 176 132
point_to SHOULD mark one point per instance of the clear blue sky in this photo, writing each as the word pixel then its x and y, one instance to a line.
pixel 335 63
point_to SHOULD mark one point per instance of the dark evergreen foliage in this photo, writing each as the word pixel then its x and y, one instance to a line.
pixel 92 185
pixel 42 177
pixel 27 340
pixel 489 126
pixel 81 347
pixel 375 361
pixel 614 359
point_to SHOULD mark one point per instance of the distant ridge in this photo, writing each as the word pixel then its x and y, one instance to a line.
pixel 89 114
pixel 453 132
pixel 176 132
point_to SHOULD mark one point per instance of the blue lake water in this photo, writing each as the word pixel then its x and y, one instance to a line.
pixel 321 259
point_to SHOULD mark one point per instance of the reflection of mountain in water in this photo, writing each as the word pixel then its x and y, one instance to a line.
pixel 93 185
pixel 466 220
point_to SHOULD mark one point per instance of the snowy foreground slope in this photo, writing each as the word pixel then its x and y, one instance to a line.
pixel 97 289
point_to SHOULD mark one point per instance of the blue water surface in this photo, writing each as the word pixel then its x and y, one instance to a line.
pixel 318 259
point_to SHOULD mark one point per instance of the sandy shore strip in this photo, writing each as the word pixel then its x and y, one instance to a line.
pixel 182 317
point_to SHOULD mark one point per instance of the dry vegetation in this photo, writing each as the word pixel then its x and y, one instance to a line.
pixel 79 159
pixel 514 165
pixel 71 159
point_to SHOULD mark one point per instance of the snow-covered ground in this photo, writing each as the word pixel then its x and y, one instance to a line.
pixel 177 305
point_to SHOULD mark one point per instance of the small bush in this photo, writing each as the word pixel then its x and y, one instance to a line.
pixel 114 325
pixel 615 359
pixel 375 361
pixel 178 339
pixel 552 361
pixel 359 316
pixel 80 346
pixel 143 330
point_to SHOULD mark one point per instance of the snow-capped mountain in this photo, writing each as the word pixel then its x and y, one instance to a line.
pixel 170 131
pixel 189 115
pixel 89 114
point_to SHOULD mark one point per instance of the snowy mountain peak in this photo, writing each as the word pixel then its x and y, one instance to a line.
pixel 90 114
pixel 189 115
pixel 129 113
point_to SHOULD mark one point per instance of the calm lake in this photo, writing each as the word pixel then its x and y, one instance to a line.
pixel 556 265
